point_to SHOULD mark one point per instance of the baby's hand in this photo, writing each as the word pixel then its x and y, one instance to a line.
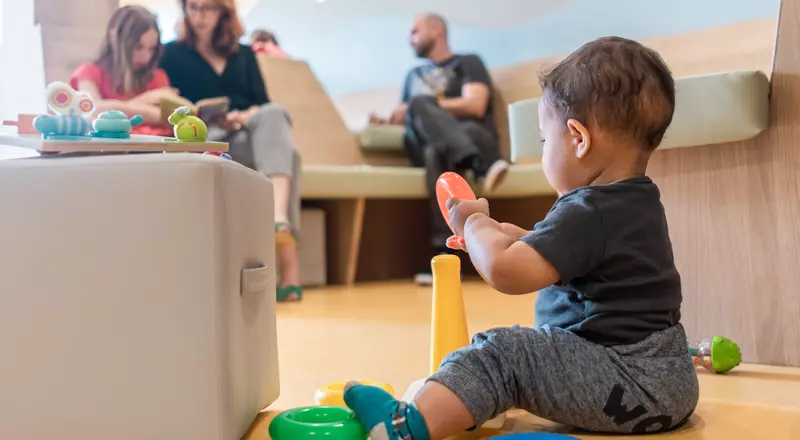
pixel 457 243
pixel 460 210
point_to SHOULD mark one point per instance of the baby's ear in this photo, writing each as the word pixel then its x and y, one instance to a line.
pixel 580 138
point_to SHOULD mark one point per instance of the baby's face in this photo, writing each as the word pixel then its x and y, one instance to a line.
pixel 559 156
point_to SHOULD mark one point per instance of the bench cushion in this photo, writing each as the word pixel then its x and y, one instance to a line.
pixel 709 109
pixel 381 138
pixel 386 182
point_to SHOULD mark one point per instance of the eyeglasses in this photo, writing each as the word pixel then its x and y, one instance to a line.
pixel 205 9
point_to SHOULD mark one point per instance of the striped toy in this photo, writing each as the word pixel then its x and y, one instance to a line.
pixel 61 125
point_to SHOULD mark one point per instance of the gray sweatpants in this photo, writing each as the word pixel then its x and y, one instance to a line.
pixel 267 146
pixel 649 386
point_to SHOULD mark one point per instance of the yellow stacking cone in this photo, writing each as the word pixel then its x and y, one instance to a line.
pixel 448 317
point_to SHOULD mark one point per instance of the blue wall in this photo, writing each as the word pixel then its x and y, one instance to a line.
pixel 356 54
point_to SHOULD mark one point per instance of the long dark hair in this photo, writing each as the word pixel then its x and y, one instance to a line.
pixel 125 29
pixel 229 30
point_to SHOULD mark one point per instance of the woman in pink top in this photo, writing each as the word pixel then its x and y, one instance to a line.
pixel 126 76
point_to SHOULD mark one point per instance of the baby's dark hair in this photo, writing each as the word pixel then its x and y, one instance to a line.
pixel 617 84
pixel 264 36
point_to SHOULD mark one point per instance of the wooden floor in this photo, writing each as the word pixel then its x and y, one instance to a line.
pixel 382 332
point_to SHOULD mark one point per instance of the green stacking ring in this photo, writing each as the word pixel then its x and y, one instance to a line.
pixel 317 422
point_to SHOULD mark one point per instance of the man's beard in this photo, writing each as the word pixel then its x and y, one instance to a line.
pixel 424 49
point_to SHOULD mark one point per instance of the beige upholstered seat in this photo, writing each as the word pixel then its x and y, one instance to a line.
pixel 709 109
pixel 391 182
pixel 137 298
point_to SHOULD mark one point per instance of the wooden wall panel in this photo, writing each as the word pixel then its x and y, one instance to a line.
pixel 321 135
pixel 72 31
pixel 734 213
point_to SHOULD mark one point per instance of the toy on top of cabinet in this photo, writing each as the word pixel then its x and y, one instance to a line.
pixel 115 124
pixel 72 110
pixel 187 127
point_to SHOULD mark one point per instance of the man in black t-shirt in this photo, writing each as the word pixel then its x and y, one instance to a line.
pixel 447 111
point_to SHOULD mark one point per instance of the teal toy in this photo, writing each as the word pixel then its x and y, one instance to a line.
pixel 717 355
pixel 317 422
pixel 115 124
pixel 188 128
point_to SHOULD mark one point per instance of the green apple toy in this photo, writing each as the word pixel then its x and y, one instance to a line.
pixel 717 355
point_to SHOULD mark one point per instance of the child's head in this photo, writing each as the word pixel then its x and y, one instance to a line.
pixel 131 49
pixel 263 36
pixel 604 109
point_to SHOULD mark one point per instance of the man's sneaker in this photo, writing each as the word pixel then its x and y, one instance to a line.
pixel 423 279
pixel 495 176
pixel 426 278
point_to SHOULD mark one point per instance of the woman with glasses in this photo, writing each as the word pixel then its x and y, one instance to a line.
pixel 207 61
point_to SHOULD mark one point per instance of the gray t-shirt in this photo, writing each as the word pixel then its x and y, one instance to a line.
pixel 610 245
pixel 446 79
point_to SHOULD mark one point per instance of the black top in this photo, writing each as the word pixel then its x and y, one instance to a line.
pixel 611 247
pixel 445 80
pixel 241 80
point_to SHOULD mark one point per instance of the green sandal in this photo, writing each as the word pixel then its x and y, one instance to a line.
pixel 285 293
pixel 285 235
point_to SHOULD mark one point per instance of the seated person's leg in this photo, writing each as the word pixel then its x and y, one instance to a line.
pixel 437 128
pixel 218 134
pixel 555 374
pixel 274 152
pixel 448 145
pixel 440 231
pixel 238 144
pixel 289 287
pixel 464 145
pixel 295 200
pixel 488 164
pixel 414 148
pixel 275 156
pixel 429 134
